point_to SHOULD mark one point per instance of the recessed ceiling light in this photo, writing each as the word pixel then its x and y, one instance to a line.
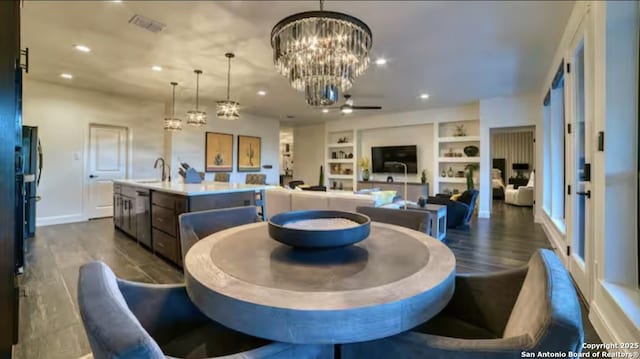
pixel 66 76
pixel 156 68
pixel 116 0
pixel 325 110
pixel 82 48
pixel 262 93
pixel 347 110
pixel 424 96
pixel 381 61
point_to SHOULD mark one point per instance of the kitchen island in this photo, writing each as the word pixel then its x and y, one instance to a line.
pixel 148 210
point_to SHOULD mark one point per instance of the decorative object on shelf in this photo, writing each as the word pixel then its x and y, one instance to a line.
pixel 460 174
pixel 458 154
pixel 343 140
pixel 450 172
pixel 334 155
pixel 364 164
pixel 335 185
pixel 459 131
pixel 335 48
pixel 197 117
pixel 347 171
pixel 450 153
pixel 470 168
pixel 456 191
pixel 218 153
pixel 321 179
pixel 337 228
pixel 443 173
pixel 340 186
pixel 350 155
pixel 389 179
pixel 172 123
pixel 249 153
pixel 341 155
pixel 423 176
pixel 422 201
pixel 471 151
pixel 227 109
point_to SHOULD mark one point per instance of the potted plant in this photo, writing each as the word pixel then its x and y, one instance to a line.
pixel 470 168
pixel 423 177
pixel 363 163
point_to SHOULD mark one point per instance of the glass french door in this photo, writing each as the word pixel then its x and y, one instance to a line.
pixel 579 133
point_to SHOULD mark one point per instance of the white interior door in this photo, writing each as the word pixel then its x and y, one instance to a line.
pixel 579 230
pixel 107 161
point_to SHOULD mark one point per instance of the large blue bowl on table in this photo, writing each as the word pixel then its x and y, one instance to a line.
pixel 321 238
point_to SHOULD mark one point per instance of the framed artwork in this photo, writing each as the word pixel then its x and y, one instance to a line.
pixel 218 156
pixel 248 153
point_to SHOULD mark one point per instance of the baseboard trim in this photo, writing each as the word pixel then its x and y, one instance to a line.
pixel 70 218
pixel 484 214
pixel 601 326
pixel 555 237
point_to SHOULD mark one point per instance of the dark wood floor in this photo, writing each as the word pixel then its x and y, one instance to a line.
pixel 50 325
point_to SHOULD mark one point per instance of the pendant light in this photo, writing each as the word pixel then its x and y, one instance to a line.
pixel 172 123
pixel 197 117
pixel 228 110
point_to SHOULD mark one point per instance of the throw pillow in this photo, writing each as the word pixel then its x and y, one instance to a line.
pixel 466 197
pixel 455 197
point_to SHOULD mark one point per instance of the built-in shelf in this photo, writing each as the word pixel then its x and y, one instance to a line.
pixel 347 177
pixel 459 139
pixel 459 159
pixel 452 180
pixel 338 145
pixel 343 160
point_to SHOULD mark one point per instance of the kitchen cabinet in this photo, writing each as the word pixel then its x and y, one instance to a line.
pixel 124 216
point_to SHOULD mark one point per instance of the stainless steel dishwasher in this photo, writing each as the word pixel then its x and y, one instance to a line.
pixel 143 217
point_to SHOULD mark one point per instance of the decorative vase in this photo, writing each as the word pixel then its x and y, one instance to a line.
pixel 450 172
pixel 365 174
pixel 422 201
pixel 471 151
pixel 423 177
pixel 443 173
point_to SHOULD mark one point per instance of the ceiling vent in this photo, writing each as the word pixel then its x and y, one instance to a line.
pixel 147 24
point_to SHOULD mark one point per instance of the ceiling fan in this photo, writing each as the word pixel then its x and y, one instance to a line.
pixel 348 106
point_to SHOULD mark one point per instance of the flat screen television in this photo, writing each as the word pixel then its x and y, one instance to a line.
pixel 382 159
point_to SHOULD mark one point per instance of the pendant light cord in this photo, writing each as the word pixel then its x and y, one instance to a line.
pixel 197 88
pixel 173 105
pixel 228 77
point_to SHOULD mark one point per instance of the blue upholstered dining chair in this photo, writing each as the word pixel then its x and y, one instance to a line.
pixel 498 315
pixel 197 225
pixel 410 218
pixel 128 320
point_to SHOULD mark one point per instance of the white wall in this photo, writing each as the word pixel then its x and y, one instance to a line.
pixel 63 115
pixel 309 154
pixel 188 145
pixel 420 135
pixel 500 112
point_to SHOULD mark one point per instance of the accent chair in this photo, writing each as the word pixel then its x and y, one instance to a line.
pixel 197 225
pixel 129 320
pixel 413 219
pixel 459 212
pixel 497 315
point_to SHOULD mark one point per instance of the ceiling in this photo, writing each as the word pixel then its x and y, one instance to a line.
pixel 457 52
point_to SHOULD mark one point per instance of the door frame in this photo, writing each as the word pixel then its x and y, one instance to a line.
pixel 581 269
pixel 86 205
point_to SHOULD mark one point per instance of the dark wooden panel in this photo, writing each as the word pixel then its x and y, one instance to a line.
pixel 10 127
pixel 164 200
pixel 167 246
pixel 164 219
pixel 222 200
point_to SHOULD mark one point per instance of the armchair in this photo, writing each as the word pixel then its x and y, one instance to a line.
pixel 499 315
pixel 125 320
pixel 458 212
pixel 522 195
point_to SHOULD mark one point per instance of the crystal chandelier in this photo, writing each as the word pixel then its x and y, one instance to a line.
pixel 321 52
pixel 228 110
pixel 196 117
pixel 172 123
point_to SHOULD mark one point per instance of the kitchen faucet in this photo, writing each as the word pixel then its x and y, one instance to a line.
pixel 164 165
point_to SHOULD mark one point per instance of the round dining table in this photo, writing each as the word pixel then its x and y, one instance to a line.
pixel 392 281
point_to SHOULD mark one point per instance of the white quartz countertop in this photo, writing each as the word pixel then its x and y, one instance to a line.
pixel 193 189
